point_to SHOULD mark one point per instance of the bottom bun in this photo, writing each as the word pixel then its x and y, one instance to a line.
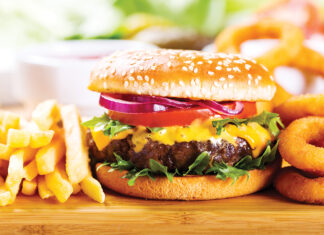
pixel 188 187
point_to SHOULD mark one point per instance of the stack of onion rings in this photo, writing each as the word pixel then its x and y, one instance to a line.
pixel 301 144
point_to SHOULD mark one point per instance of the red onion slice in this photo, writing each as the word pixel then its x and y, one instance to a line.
pixel 123 106
pixel 125 103
pixel 153 99
pixel 218 108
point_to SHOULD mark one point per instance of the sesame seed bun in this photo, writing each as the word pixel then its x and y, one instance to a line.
pixel 183 74
pixel 189 187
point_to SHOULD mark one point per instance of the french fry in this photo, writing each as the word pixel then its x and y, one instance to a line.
pixel 48 156
pixel 58 183
pixel 10 120
pixel 5 151
pixel 91 187
pixel 29 187
pixel 27 153
pixel 3 135
pixel 46 114
pixel 5 196
pixel 18 138
pixel 77 159
pixel 40 138
pixel 43 190
pixel 15 174
pixel 76 188
pixel 30 171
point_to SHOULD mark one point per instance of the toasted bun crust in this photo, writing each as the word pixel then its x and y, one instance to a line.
pixel 183 74
pixel 188 187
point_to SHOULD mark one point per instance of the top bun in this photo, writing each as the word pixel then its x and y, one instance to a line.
pixel 183 74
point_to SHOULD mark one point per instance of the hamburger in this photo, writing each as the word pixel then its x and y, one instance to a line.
pixel 183 125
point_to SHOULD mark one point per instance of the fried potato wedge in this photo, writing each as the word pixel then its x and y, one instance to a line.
pixel 91 187
pixel 77 158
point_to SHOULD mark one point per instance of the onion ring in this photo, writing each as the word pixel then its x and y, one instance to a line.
pixel 291 183
pixel 296 146
pixel 309 60
pixel 301 106
pixel 291 40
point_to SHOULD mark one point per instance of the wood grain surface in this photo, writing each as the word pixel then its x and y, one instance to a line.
pixel 261 213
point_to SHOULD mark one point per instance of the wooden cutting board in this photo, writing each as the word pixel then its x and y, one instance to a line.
pixel 265 212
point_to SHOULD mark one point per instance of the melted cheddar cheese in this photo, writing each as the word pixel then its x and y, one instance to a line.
pixel 256 135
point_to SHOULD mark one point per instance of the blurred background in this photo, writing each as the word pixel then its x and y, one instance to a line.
pixel 48 47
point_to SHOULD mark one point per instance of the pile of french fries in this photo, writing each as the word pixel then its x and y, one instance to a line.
pixel 47 155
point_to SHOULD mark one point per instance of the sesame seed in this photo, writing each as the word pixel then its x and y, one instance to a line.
pixel 250 76
pixel 195 70
pixel 219 68
pixel 153 67
pixel 152 81
pixel 247 67
pixel 131 71
pixel 197 80
pixel 256 81
pixel 135 84
pixel 123 73
pixel 225 86
pixel 131 78
pixel 139 78
pixel 271 77
pixel 193 82
pixel 253 61
pixel 181 83
pixel 191 68
pixel 220 63
pixel 230 76
pixel 249 82
pixel 126 84
pixel 184 68
pixel 265 68
pixel 229 69
pixel 199 62
pixel 211 73
pixel 210 61
pixel 236 69
pixel 259 78
pixel 222 79
pixel 169 64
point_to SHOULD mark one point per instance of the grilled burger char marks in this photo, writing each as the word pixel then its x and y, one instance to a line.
pixel 178 156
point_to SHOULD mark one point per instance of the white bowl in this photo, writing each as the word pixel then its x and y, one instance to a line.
pixel 61 71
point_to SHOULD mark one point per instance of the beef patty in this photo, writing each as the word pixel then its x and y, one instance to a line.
pixel 178 156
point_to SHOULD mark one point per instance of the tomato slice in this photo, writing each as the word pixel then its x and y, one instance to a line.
pixel 180 117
